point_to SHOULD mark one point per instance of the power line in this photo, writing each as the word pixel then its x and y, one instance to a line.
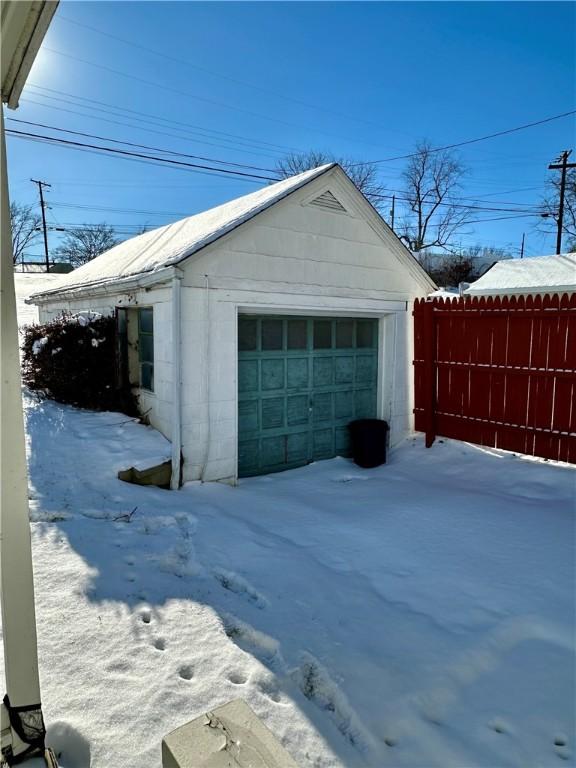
pixel 189 138
pixel 474 141
pixel 125 153
pixel 462 205
pixel 140 146
pixel 190 95
pixel 260 88
pixel 190 127
pixel 239 165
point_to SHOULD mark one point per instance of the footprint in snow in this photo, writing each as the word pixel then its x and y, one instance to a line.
pixel 145 616
pixel 271 692
pixel 561 746
pixel 349 478
pixel 186 672
pixel 160 644
pixel 499 725
pixel 240 586
pixel 237 678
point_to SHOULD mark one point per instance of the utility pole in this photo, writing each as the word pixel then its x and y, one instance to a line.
pixel 42 184
pixel 522 246
pixel 561 164
pixel 392 212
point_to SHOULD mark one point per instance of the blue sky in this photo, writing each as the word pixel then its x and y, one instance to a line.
pixel 246 82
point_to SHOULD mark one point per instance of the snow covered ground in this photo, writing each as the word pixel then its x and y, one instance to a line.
pixel 420 614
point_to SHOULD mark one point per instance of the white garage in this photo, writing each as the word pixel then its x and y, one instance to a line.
pixel 254 332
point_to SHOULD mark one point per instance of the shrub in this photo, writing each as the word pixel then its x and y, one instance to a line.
pixel 72 359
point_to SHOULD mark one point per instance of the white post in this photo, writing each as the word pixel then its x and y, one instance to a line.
pixel 16 581
pixel 176 432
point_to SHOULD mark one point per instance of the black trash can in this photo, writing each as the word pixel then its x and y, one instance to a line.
pixel 368 442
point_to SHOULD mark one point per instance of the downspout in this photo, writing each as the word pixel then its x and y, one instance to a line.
pixel 22 703
pixel 176 380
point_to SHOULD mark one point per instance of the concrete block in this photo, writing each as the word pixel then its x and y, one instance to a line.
pixel 231 735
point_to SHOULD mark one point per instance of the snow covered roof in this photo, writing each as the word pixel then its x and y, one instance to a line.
pixel 542 274
pixel 168 245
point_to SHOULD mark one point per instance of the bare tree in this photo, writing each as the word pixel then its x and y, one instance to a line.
pixel 85 243
pixel 431 183
pixel 463 266
pixel 453 269
pixel 25 226
pixel 364 175
pixel 550 205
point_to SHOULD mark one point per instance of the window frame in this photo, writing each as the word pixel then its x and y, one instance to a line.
pixel 145 362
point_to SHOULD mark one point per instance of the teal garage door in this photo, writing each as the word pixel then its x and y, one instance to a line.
pixel 301 381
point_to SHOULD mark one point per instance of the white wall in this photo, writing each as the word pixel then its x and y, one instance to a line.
pixel 292 259
pixel 155 405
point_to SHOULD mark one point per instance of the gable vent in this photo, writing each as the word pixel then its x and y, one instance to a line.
pixel 328 201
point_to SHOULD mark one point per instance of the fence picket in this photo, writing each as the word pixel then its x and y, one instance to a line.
pixel 499 372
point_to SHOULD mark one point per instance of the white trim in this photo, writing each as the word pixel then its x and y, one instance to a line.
pixel 332 311
pixel 30 21
pixel 110 287
pixel 176 426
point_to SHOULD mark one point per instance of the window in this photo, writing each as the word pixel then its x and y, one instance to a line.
pixel 322 334
pixel 122 378
pixel 297 334
pixel 272 334
pixel 146 348
pixel 247 335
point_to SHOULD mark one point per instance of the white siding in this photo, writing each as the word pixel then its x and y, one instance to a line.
pixel 155 405
pixel 294 258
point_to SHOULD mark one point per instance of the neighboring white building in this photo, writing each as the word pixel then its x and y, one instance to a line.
pixel 536 275
pixel 256 331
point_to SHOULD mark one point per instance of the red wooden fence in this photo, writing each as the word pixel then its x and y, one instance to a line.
pixel 498 372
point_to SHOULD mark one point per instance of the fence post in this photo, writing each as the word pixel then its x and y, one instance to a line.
pixel 429 344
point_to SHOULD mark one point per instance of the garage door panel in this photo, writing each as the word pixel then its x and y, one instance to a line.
pixel 366 369
pixel 297 410
pixel 322 444
pixel 365 403
pixel 273 450
pixel 272 374
pixel 344 404
pixel 342 441
pixel 297 449
pixel 344 369
pixel 297 372
pixel 323 371
pixel 248 457
pixel 301 381
pixel 272 412
pixel 322 407
pixel 248 416
pixel 247 376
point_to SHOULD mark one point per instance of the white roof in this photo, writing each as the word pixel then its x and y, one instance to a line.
pixel 542 274
pixel 168 245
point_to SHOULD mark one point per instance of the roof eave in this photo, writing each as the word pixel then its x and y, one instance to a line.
pixel 107 287
pixel 30 22
pixel 521 291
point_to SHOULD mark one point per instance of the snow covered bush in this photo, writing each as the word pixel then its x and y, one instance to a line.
pixel 72 359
